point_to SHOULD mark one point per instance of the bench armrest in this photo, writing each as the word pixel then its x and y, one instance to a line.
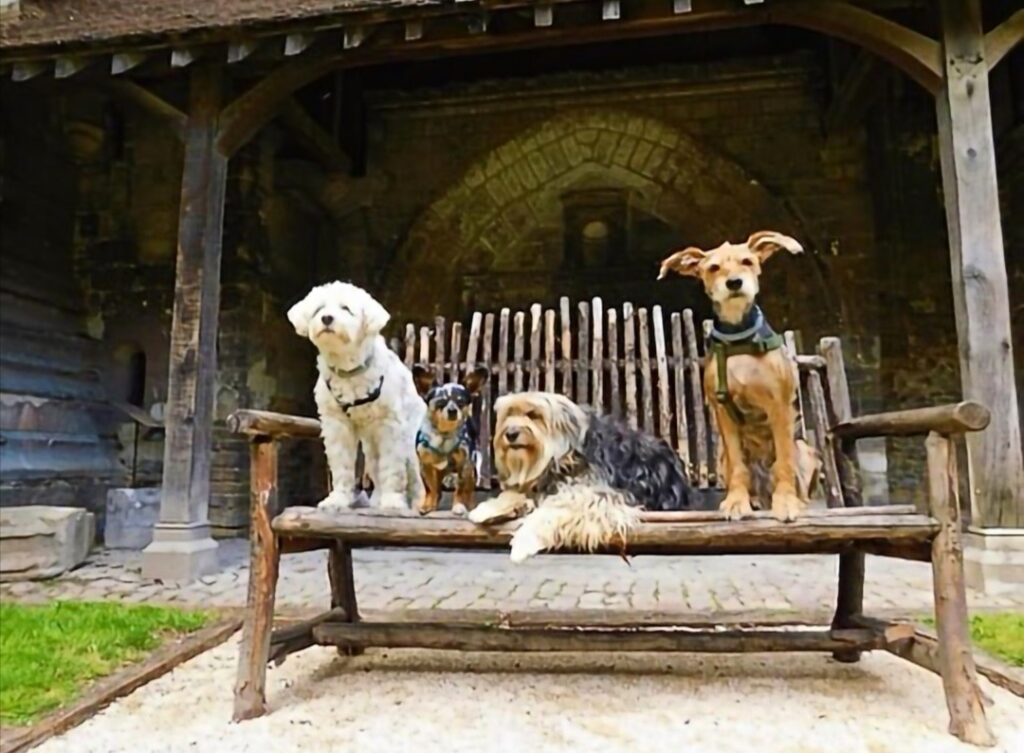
pixel 261 423
pixel 954 418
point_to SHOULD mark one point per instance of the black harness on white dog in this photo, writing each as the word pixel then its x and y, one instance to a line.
pixel 370 397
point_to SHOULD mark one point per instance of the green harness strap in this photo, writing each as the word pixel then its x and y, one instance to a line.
pixel 722 351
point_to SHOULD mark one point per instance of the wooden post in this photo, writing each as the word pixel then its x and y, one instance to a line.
pixel 980 292
pixel 182 548
pixel 343 588
pixel 850 594
pixel 959 675
pixel 265 554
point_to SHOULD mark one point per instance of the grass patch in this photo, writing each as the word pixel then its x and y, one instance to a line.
pixel 999 633
pixel 48 653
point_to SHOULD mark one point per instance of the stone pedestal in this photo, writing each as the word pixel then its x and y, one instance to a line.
pixel 42 542
pixel 994 560
pixel 180 552
pixel 131 516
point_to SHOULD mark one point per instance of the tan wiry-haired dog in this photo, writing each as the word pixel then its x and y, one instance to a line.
pixel 750 380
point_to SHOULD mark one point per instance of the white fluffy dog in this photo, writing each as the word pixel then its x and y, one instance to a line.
pixel 364 394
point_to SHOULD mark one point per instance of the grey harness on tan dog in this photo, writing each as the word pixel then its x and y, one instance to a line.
pixel 751 337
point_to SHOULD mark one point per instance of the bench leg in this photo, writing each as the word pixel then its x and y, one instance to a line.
pixel 850 600
pixel 956 661
pixel 264 560
pixel 343 589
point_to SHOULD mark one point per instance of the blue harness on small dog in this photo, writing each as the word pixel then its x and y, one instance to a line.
pixel 448 446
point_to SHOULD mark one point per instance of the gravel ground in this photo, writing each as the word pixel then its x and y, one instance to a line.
pixel 427 702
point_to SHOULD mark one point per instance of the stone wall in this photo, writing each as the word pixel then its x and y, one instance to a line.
pixel 486 181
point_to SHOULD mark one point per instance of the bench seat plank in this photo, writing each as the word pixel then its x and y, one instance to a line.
pixel 874 529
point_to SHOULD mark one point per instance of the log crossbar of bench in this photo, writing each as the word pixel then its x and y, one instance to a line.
pixel 896 531
pixel 443 636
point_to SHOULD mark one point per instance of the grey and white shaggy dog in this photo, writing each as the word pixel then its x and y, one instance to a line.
pixel 579 478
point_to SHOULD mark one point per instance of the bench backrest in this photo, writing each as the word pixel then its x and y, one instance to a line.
pixel 641 364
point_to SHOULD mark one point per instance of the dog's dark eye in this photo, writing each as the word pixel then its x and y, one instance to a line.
pixel 346 309
pixel 713 268
pixel 747 262
pixel 533 415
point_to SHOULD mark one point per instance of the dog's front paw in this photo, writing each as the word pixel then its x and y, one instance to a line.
pixel 393 501
pixel 337 500
pixel 786 506
pixel 736 505
pixel 425 504
pixel 525 543
pixel 459 509
pixel 484 513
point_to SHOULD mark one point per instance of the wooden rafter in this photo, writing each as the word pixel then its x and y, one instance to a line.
pixel 313 138
pixel 148 103
pixel 1000 41
pixel 914 53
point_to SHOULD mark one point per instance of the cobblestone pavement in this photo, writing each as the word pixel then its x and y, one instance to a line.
pixel 415 579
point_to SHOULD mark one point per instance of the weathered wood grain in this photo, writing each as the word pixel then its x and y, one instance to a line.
pixel 954 418
pixel 981 294
pixel 264 560
pixel 959 676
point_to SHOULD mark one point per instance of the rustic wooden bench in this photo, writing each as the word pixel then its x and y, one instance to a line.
pixel 606 360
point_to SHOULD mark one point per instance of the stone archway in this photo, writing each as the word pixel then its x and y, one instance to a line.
pixel 504 216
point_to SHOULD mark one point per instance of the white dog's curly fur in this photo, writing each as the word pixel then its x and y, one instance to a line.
pixel 581 477
pixel 364 394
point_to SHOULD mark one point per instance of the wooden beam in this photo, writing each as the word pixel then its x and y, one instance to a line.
pixel 265 562
pixel 183 57
pixel 441 636
pixel 859 89
pixel 67 66
pixel 413 30
pixel 122 62
pixel 955 418
pixel 149 103
pixel 959 676
pixel 1000 41
pixel 353 36
pixel 193 353
pixel 296 44
pixel 915 54
pixel 980 285
pixel 239 51
pixel 313 138
pixel 831 534
pixel 27 70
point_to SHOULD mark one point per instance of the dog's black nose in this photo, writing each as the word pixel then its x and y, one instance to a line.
pixel 452 413
pixel 734 283
pixel 511 434
pixel 327 319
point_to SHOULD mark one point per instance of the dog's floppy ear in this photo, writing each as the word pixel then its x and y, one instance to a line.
pixel 301 313
pixel 423 378
pixel 375 316
pixel 684 263
pixel 765 243
pixel 475 379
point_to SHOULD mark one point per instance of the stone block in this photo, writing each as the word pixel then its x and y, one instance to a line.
pixel 42 542
pixel 994 560
pixel 131 515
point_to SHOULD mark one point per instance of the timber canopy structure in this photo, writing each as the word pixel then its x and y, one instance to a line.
pixel 245 60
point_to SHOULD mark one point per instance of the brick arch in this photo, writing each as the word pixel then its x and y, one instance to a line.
pixel 502 198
